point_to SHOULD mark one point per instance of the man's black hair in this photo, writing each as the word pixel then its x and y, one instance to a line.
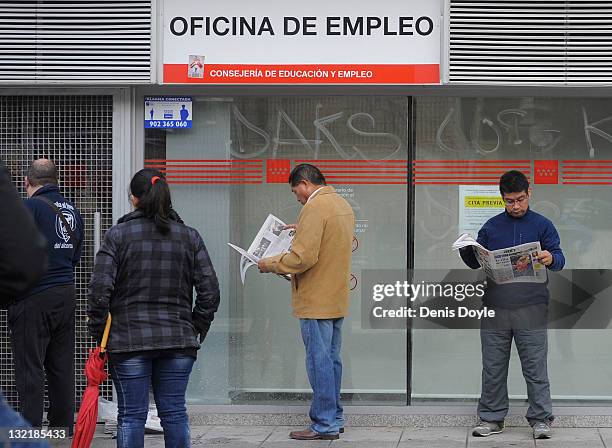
pixel 306 171
pixel 42 172
pixel 513 182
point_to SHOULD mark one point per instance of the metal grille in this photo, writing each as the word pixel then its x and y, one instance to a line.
pixel 530 42
pixel 76 41
pixel 75 132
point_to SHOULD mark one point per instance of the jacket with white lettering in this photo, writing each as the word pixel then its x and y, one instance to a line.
pixel 63 252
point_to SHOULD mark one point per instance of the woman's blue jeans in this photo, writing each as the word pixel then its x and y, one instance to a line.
pixel 169 376
pixel 323 341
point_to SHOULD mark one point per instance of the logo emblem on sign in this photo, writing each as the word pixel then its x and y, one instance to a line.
pixel 546 171
pixel 277 171
pixel 60 229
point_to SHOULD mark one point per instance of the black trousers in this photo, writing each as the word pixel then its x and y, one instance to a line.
pixel 42 339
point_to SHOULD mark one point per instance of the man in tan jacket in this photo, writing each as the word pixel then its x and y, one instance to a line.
pixel 319 263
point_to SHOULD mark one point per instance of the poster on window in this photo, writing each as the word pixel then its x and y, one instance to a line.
pixel 314 42
pixel 477 203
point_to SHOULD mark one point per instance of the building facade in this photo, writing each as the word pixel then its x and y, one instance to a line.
pixel 406 108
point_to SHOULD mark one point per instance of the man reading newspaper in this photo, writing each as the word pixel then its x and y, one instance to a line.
pixel 319 263
pixel 521 310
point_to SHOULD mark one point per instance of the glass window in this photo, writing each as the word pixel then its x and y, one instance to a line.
pixel 565 145
pixel 229 172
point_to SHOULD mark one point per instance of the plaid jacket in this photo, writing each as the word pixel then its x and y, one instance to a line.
pixel 146 280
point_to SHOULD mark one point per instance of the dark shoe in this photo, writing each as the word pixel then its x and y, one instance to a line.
pixel 309 434
pixel 341 430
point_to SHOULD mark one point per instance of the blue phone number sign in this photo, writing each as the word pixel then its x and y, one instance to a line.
pixel 168 112
pixel 164 124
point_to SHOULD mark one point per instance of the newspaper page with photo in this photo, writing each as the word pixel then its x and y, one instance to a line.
pixel 271 240
pixel 509 265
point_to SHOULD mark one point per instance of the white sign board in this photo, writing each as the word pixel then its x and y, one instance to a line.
pixel 167 112
pixel 312 42
pixel 477 203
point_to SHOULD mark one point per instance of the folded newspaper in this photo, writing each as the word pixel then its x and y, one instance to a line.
pixel 509 265
pixel 271 240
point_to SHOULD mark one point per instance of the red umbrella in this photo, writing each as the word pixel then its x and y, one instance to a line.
pixel 88 414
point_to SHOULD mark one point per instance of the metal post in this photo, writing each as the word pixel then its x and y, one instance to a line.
pixel 96 235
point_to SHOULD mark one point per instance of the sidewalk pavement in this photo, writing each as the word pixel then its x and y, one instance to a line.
pixel 374 437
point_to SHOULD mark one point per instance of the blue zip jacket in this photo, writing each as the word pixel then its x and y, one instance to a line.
pixel 63 252
pixel 503 231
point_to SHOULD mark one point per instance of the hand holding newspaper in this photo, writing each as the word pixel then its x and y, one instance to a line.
pixel 509 265
pixel 271 240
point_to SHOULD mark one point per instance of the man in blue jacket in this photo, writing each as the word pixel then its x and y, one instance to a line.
pixel 42 322
pixel 521 311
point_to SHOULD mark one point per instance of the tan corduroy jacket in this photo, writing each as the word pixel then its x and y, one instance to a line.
pixel 320 257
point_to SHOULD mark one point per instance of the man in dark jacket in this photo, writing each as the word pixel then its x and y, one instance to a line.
pixel 521 311
pixel 22 263
pixel 42 322
pixel 22 254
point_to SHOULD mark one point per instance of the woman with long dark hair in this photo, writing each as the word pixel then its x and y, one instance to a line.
pixel 144 275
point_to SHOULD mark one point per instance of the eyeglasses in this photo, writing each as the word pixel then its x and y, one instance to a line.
pixel 519 200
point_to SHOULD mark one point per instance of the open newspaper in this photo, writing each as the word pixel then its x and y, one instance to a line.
pixel 271 240
pixel 508 265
